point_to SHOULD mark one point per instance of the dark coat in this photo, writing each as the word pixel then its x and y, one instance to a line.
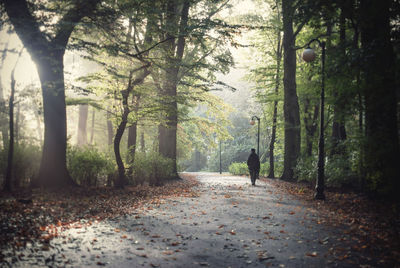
pixel 253 162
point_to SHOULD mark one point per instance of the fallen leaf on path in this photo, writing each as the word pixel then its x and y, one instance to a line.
pixel 312 254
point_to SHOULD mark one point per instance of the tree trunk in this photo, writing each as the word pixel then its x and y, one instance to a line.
pixel 110 130
pixel 132 132
pixel 39 127
pixel 82 124
pixel 310 124
pixel 8 178
pixel 121 180
pixel 47 52
pixel 382 151
pixel 53 170
pixel 142 144
pixel 17 124
pixel 167 134
pixel 338 126
pixel 271 173
pixel 3 111
pixel 290 103
pixel 92 128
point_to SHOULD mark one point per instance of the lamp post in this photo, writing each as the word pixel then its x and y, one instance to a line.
pixel 308 55
pixel 220 158
pixel 252 122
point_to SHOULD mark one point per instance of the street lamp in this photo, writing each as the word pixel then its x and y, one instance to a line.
pixel 308 55
pixel 220 158
pixel 252 122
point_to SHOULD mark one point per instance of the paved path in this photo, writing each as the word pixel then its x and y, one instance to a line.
pixel 230 224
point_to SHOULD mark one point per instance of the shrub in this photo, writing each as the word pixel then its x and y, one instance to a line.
pixel 152 168
pixel 26 162
pixel 339 172
pixel 306 169
pixel 264 169
pixel 88 166
pixel 242 169
pixel 238 169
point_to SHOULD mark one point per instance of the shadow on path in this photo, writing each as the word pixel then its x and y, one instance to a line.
pixel 229 224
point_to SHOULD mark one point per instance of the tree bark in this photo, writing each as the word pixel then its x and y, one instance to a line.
pixel 271 173
pixel 47 53
pixel 310 124
pixel 110 130
pixel 290 103
pixel 132 132
pixel 82 124
pixel 338 126
pixel 174 54
pixel 8 178
pixel 382 151
pixel 92 128
pixel 53 170
pixel 17 123
pixel 3 111
pixel 142 143
pixel 122 180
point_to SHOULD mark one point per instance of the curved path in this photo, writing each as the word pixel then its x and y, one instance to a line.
pixel 229 224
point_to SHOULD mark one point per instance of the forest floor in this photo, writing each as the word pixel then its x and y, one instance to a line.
pixel 206 219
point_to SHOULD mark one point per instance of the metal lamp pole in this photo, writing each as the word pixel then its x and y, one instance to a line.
pixel 220 158
pixel 252 122
pixel 308 56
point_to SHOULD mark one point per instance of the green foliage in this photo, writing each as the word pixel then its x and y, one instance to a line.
pixel 339 171
pixel 152 168
pixel 242 169
pixel 239 169
pixel 306 169
pixel 88 166
pixel 264 169
pixel 25 163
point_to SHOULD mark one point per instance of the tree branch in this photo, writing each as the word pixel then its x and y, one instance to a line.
pixel 68 22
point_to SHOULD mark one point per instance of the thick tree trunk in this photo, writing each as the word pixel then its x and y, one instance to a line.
pixel 382 151
pixel 53 170
pixel 47 52
pixel 291 105
pixel 39 127
pixel 82 124
pixel 174 51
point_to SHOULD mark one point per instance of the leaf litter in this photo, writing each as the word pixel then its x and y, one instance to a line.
pixel 49 213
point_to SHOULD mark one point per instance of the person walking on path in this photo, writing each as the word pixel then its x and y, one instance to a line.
pixel 253 163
